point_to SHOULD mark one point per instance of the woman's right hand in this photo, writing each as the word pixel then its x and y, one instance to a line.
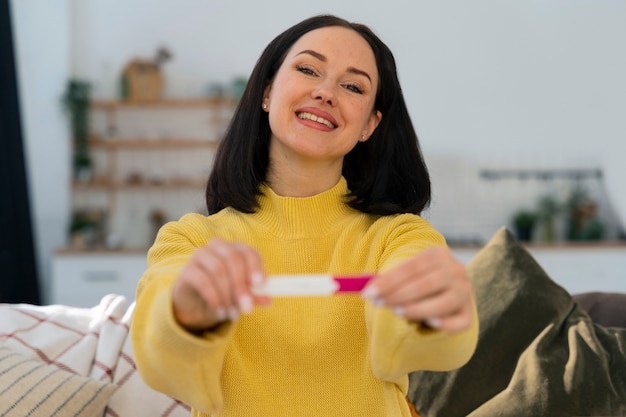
pixel 215 285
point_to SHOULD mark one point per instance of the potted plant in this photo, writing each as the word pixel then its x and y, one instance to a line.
pixel 524 223
pixel 576 213
pixel 76 101
pixel 549 209
pixel 82 229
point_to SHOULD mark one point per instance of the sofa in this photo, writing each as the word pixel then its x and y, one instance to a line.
pixel 541 352
pixel 79 360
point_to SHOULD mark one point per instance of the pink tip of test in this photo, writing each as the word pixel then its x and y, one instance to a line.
pixel 352 284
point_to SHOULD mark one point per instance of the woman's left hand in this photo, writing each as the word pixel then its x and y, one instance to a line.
pixel 432 287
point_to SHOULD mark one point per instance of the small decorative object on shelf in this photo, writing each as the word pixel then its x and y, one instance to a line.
pixel 157 219
pixel 87 228
pixel 524 223
pixel 583 222
pixel 76 101
pixel 216 90
pixel 142 79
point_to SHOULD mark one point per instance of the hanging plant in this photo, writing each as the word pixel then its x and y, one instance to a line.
pixel 76 101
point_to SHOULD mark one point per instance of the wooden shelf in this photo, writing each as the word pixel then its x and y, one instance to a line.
pixel 144 143
pixel 99 250
pixel 106 184
pixel 165 102
pixel 572 245
pixel 577 244
pixel 139 173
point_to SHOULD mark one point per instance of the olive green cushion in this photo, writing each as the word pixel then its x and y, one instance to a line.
pixel 538 354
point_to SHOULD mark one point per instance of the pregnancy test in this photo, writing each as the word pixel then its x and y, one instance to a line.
pixel 303 285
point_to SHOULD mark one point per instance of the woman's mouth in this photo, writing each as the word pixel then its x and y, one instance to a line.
pixel 310 116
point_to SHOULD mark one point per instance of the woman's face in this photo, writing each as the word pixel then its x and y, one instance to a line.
pixel 321 101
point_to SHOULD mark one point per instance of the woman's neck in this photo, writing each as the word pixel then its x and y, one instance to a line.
pixel 302 180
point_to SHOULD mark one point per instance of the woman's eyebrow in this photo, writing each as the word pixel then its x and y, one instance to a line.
pixel 314 54
pixel 323 58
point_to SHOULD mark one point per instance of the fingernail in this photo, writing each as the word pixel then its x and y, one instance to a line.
pixel 434 323
pixel 245 303
pixel 369 293
pixel 257 278
pixel 221 313
pixel 378 302
pixel 398 311
pixel 233 313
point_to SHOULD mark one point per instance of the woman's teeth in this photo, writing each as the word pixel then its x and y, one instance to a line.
pixel 318 119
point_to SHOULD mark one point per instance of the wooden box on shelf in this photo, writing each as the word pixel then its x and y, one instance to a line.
pixel 142 80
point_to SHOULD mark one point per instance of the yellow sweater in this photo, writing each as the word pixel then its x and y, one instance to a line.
pixel 301 356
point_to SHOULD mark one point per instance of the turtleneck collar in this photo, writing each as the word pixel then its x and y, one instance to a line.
pixel 293 217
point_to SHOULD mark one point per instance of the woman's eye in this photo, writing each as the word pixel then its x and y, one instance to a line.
pixel 305 70
pixel 354 88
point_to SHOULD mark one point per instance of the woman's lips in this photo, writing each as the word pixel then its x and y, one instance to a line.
pixel 317 116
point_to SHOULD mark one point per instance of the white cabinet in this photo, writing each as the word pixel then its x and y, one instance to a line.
pixel 81 279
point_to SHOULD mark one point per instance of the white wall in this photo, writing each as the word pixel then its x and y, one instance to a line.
pixel 517 83
pixel 481 77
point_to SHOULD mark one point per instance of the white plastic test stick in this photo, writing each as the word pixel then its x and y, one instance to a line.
pixel 311 285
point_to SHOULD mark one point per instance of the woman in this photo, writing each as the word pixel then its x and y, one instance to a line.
pixel 320 172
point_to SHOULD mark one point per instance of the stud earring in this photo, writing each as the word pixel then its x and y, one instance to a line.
pixel 264 106
pixel 362 137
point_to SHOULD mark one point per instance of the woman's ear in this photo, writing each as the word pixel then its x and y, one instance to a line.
pixel 373 122
pixel 265 104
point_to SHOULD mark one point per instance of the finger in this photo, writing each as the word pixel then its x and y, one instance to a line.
pixel 233 257
pixel 416 288
pixel 393 281
pixel 261 300
pixel 254 275
pixel 255 271
pixel 440 305
pixel 450 275
pixel 457 322
pixel 245 268
pixel 195 304
pixel 383 284
pixel 380 286
pixel 251 273
pixel 450 311
pixel 216 272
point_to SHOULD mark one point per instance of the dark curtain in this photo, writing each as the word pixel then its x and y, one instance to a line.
pixel 18 272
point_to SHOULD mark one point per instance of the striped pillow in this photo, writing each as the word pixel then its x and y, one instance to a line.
pixel 33 388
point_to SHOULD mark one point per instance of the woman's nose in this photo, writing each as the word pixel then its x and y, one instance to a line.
pixel 325 93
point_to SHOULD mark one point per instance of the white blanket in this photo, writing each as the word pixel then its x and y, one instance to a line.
pixel 91 342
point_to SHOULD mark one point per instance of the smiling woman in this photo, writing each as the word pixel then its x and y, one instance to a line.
pixel 400 182
pixel 319 174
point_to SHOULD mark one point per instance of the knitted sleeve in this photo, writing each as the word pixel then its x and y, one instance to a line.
pixel 399 346
pixel 167 356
